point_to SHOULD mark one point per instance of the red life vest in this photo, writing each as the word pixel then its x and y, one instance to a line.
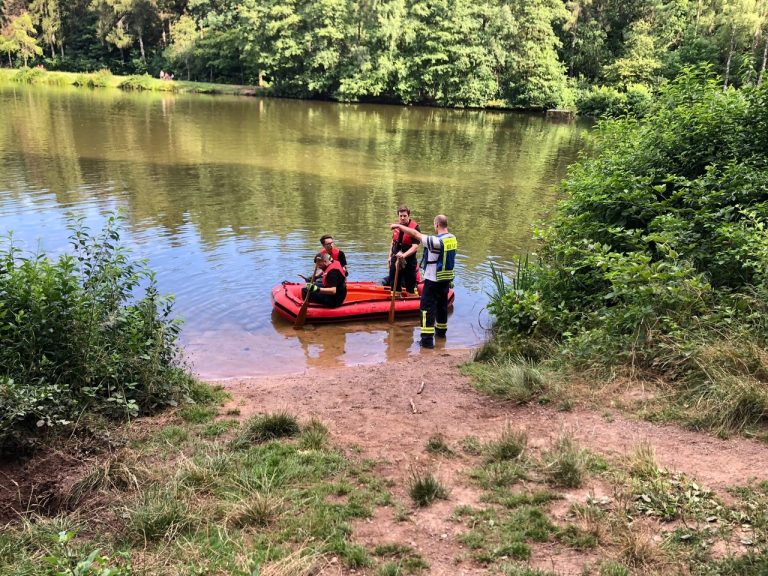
pixel 334 253
pixel 334 266
pixel 407 240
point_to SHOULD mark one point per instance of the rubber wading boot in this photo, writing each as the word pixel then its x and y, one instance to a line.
pixel 440 333
pixel 427 343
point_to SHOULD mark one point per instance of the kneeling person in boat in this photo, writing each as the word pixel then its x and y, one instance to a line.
pixel 334 286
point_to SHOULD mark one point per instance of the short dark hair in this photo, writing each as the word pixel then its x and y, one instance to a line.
pixel 323 256
pixel 325 237
pixel 403 208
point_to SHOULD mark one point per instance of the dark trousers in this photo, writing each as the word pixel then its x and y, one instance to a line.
pixel 434 309
pixel 406 278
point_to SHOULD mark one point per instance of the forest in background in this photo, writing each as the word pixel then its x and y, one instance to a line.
pixel 523 54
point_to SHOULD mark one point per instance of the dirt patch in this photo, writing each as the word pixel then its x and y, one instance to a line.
pixel 38 485
pixel 378 409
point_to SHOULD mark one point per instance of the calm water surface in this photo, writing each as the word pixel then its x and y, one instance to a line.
pixel 227 196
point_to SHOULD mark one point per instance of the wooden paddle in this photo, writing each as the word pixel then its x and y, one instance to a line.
pixel 394 292
pixel 301 317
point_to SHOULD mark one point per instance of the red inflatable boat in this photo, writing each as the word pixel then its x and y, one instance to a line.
pixel 365 300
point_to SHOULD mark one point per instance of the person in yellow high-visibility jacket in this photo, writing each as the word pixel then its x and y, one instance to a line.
pixel 438 262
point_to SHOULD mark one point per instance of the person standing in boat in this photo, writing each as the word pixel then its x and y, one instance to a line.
pixel 438 262
pixel 403 253
pixel 334 285
pixel 326 241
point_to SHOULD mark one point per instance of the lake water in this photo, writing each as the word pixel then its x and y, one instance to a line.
pixel 228 196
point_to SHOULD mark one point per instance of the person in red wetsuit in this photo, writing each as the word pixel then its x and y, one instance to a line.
pixel 403 252
pixel 334 287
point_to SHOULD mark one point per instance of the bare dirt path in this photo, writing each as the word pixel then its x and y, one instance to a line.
pixel 372 408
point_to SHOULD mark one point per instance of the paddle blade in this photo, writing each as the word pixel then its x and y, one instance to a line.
pixel 301 317
pixel 394 293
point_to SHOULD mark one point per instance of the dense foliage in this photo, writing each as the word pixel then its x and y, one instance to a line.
pixel 75 337
pixel 533 54
pixel 658 259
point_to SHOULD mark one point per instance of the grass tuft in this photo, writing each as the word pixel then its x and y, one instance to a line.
pixel 114 473
pixel 642 462
pixel 298 563
pixel 314 435
pixel 565 464
pixel 256 510
pixel 424 488
pixel 510 446
pixel 517 380
pixel 436 444
pixel 267 427
pixel 159 515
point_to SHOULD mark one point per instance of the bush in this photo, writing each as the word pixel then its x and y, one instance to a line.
pixel 658 254
pixel 88 332
pixel 609 102
pixel 26 75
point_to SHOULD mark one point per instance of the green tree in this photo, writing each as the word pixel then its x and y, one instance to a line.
pixel 6 44
pixel 123 22
pixel 46 14
pixel 736 22
pixel 641 63
pixel 21 38
pixel 445 59
pixel 593 34
pixel 374 60
pixel 531 72
pixel 184 34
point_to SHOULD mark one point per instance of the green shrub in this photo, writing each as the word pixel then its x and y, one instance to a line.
pixel 658 252
pixel 609 102
pixel 143 82
pixel 100 79
pixel 88 332
pixel 26 75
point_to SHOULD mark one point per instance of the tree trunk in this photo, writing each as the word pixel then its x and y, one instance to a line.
pixel 141 48
pixel 765 57
pixel 728 62
pixel 10 62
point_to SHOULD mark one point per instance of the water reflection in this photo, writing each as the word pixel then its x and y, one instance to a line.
pixel 228 196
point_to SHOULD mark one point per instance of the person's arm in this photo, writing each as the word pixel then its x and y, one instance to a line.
pixel 410 231
pixel 413 247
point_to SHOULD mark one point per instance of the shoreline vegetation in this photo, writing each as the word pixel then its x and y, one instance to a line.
pixel 144 82
pixel 105 79
pixel 654 267
pixel 583 55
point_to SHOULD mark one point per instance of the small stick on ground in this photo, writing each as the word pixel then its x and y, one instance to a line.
pixel 413 406
pixel 421 388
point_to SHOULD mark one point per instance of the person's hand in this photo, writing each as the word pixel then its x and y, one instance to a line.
pixel 400 255
pixel 312 287
pixel 393 226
